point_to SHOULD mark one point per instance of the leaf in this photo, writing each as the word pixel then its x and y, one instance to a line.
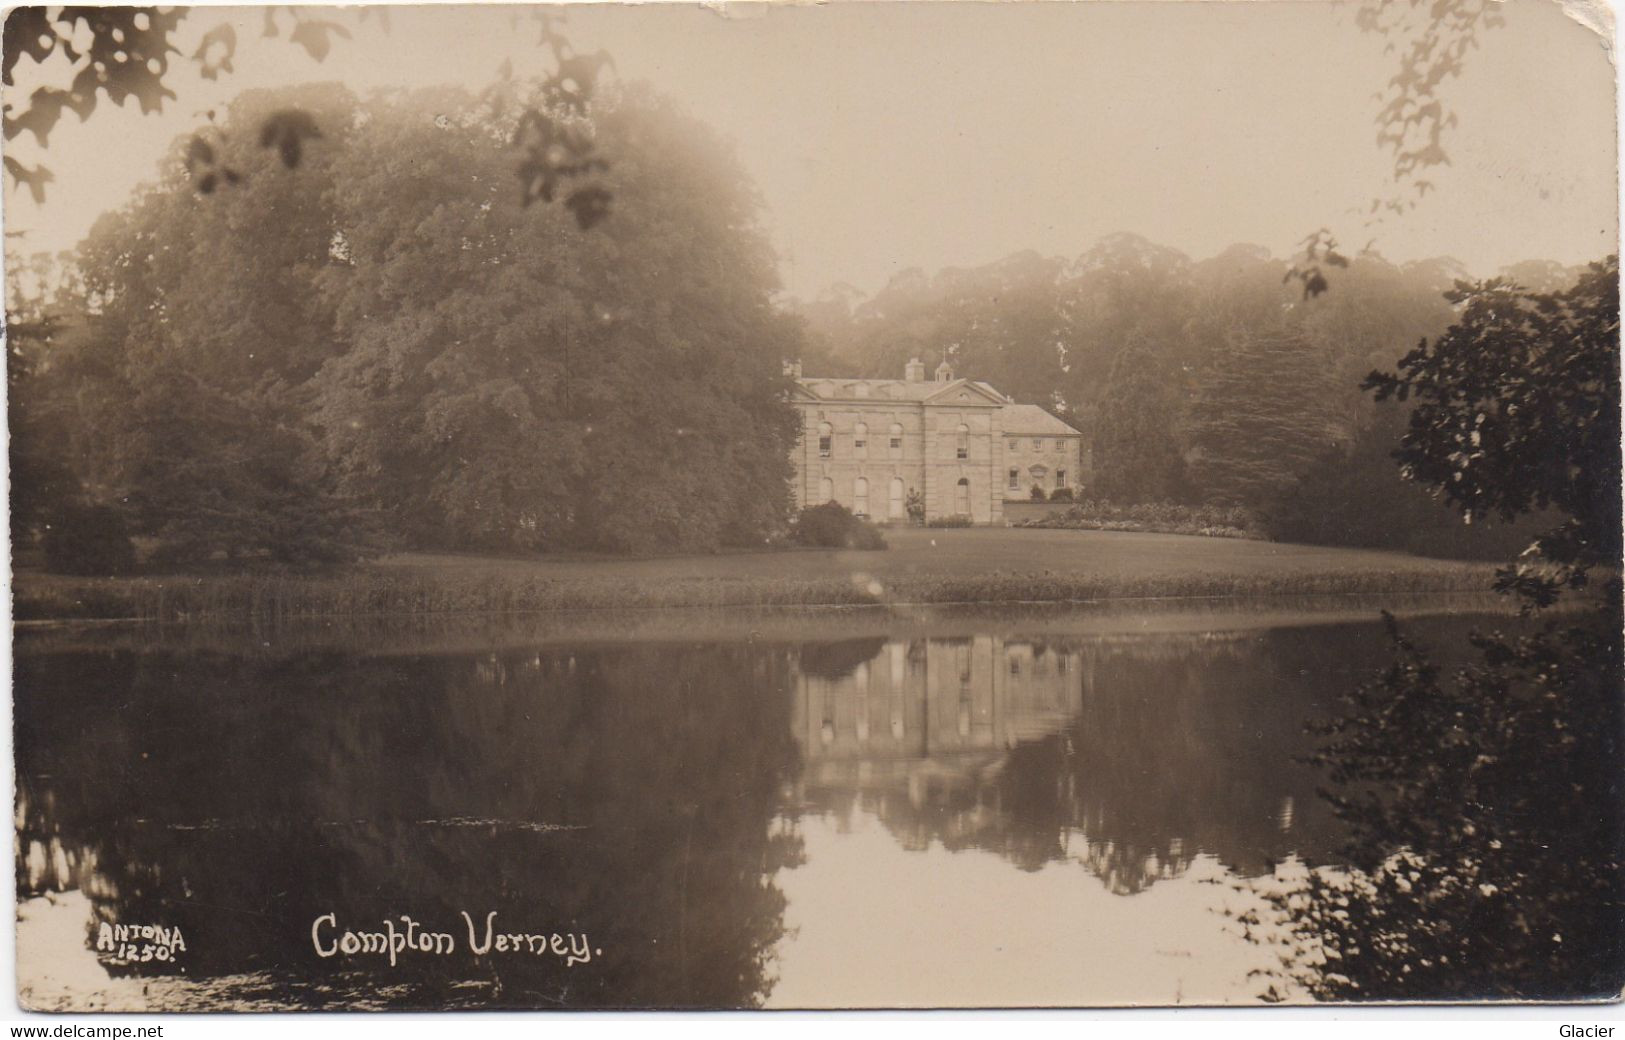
pixel 28 31
pixel 590 206
pixel 312 35
pixel 199 152
pixel 224 37
pixel 36 178
pixel 286 130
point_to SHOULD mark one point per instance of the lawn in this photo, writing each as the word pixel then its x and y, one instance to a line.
pixel 977 565
pixel 961 553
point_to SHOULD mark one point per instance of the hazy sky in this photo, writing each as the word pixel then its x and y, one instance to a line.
pixel 886 136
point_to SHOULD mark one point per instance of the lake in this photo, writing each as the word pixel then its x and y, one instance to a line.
pixel 820 809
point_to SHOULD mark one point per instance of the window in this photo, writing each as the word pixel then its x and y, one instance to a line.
pixel 826 435
pixel 1015 480
pixel 1060 445
pixel 1015 445
pixel 962 497
pixel 1038 444
pixel 897 498
pixel 963 449
pixel 860 497
pixel 860 439
pixel 826 490
pixel 896 440
pixel 1060 478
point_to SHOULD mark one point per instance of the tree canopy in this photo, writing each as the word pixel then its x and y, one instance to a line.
pixel 388 346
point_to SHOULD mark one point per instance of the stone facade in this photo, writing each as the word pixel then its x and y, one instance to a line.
pixel 871 443
pixel 1041 451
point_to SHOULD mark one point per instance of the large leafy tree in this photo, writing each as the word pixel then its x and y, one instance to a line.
pixel 387 343
pixel 1517 408
pixel 206 336
pixel 1485 805
pixel 1258 421
pixel 514 382
pixel 1139 457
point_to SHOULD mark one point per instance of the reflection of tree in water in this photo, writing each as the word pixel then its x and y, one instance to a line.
pixel 837 660
pixel 241 800
pixel 1172 747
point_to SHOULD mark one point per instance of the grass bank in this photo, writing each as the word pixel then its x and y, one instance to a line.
pixel 922 567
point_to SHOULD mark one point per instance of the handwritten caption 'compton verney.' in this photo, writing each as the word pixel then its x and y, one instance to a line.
pixel 411 937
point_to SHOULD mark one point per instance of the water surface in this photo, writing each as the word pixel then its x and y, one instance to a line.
pixel 797 810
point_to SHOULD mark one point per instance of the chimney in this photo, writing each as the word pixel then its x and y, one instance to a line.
pixel 945 372
pixel 914 371
pixel 793 368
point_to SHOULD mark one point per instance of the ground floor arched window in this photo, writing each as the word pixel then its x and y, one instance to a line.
pixel 860 497
pixel 826 490
pixel 897 503
pixel 962 497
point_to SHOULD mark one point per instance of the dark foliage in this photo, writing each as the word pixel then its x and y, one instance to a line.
pixel 832 526
pixel 1486 811
pixel 239 397
pixel 92 540
pixel 1487 808
pixel 1331 504
pixel 1258 421
pixel 127 52
pixel 1137 435
pixel 1517 409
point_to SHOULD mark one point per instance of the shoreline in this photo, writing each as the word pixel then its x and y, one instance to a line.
pixel 378 594
pixel 1122 620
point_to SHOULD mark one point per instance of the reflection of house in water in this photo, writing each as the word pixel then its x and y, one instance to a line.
pixel 1128 754
pixel 925 723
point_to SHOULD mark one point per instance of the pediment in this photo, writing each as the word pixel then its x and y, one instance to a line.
pixel 799 392
pixel 965 392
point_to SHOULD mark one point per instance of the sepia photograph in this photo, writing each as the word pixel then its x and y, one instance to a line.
pixel 1069 504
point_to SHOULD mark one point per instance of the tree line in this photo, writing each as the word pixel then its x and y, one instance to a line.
pixel 386 347
pixel 1214 381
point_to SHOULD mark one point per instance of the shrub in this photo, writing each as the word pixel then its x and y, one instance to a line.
pixel 1061 494
pixel 832 526
pixel 915 504
pixel 951 521
pixel 1037 494
pixel 1159 517
pixel 88 540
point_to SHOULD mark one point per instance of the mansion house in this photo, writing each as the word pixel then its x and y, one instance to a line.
pixel 962 446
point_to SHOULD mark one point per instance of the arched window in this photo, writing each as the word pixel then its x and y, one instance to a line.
pixel 963 448
pixel 860 440
pixel 860 497
pixel 896 440
pixel 826 490
pixel 896 512
pixel 826 438
pixel 962 497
